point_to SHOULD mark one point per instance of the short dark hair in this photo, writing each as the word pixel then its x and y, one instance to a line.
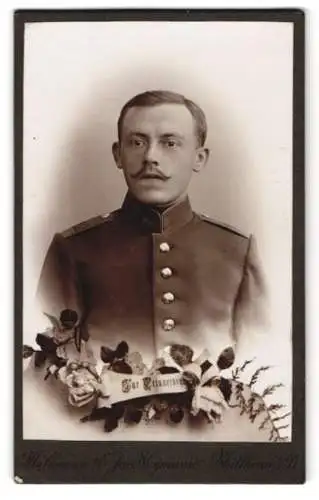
pixel 156 97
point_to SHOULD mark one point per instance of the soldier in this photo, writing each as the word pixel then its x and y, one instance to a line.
pixel 154 272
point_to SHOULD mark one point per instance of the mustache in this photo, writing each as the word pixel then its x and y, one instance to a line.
pixel 150 172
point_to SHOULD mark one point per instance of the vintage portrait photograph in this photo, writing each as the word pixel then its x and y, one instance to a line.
pixel 157 231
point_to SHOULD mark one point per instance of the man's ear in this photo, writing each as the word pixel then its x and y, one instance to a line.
pixel 116 154
pixel 202 155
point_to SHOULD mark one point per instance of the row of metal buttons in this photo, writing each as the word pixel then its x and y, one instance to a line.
pixel 167 297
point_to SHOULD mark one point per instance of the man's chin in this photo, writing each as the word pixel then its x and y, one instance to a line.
pixel 154 198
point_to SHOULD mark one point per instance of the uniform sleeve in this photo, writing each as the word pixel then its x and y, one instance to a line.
pixel 58 286
pixel 251 309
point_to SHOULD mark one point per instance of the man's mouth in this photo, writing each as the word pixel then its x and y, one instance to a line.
pixel 152 176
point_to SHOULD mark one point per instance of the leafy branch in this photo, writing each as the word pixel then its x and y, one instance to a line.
pixel 270 390
pixel 255 376
pixel 281 417
pixel 255 404
pixel 240 369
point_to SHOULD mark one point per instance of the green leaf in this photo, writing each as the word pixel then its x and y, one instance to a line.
pixel 27 351
pixel 46 343
pixel 39 358
pixel 226 388
pixel 54 321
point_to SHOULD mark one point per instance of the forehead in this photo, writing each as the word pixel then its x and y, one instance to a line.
pixel 161 119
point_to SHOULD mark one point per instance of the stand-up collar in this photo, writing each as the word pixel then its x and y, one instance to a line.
pixel 156 221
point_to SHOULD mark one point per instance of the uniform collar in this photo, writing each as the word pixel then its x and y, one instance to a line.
pixel 153 220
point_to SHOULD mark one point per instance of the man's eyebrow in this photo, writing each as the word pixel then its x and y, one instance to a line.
pixel 172 134
pixel 139 134
pixel 163 136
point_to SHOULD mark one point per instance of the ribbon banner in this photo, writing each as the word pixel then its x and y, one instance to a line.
pixel 117 387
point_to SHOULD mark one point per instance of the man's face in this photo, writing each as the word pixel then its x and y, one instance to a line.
pixel 158 152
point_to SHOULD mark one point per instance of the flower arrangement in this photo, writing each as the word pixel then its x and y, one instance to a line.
pixel 126 389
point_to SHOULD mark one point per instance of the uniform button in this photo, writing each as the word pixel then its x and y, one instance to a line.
pixel 168 324
pixel 164 247
pixel 166 272
pixel 168 297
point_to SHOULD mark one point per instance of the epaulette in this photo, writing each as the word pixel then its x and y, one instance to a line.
pixel 222 225
pixel 86 225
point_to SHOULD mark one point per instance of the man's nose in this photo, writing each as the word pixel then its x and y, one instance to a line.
pixel 151 154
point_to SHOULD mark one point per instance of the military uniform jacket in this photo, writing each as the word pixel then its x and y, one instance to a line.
pixel 155 279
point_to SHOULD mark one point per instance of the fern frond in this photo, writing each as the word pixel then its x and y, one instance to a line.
pixel 257 412
pixel 255 376
pixel 282 427
pixel 281 439
pixel 270 389
pixel 281 417
pixel 264 422
pixel 244 365
pixel 275 407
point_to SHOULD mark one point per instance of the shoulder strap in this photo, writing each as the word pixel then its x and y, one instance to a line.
pixel 222 225
pixel 86 225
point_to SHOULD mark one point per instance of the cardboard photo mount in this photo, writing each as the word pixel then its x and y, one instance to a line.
pixel 45 461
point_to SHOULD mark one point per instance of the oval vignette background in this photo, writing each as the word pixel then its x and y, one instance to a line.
pixel 77 76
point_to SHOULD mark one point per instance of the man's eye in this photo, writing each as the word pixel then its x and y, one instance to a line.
pixel 170 143
pixel 137 143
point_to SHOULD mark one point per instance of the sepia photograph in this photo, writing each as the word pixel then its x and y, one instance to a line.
pixel 157 239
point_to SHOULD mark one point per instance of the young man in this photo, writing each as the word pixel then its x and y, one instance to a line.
pixel 154 272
